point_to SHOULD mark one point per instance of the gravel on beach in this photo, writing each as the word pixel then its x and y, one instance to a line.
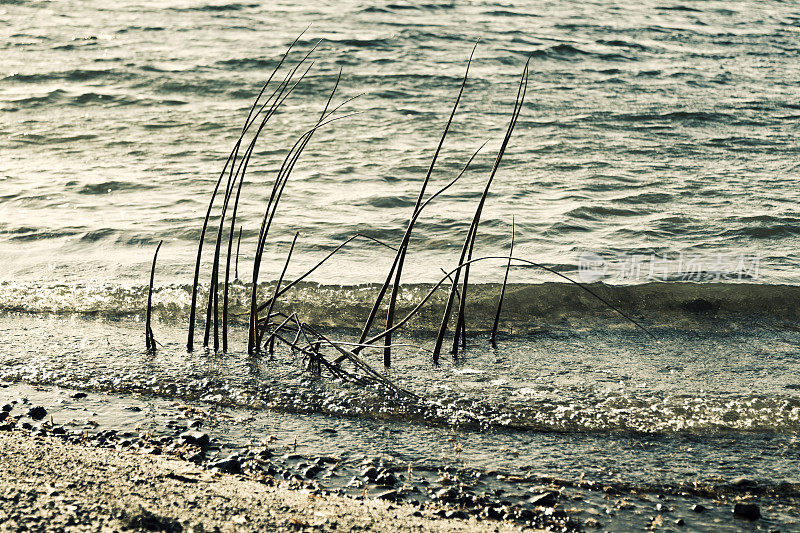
pixel 50 485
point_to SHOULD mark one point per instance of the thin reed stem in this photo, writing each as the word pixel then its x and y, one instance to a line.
pixel 466 251
pixel 149 338
pixel 229 161
pixel 503 289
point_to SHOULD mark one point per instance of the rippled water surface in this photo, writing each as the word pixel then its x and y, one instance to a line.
pixel 660 137
pixel 649 127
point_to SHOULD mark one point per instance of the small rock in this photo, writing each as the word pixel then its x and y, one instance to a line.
pixel 697 508
pixel 3 415
pixel 311 472
pixel 748 511
pixel 389 495
pixel 79 395
pixel 386 479
pixel 264 454
pixel 456 514
pixel 37 413
pixel 546 499
pixel 7 407
pixel 198 438
pixel 370 473
pixel 680 522
pixel 230 465
pixel 196 458
pixel 743 483
pixel 446 495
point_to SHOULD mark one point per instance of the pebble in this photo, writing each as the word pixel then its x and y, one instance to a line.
pixel 37 413
pixel 389 495
pixel 697 508
pixel 743 482
pixel 370 473
pixel 198 438
pixel 386 479
pixel 546 499
pixel 748 511
pixel 231 465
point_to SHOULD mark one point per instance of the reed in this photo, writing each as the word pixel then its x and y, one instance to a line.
pixel 268 322
pixel 149 338
pixel 229 162
pixel 272 205
pixel 397 265
pixel 281 93
pixel 469 242
pixel 493 338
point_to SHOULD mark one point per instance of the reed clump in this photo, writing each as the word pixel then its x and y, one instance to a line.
pixel 269 323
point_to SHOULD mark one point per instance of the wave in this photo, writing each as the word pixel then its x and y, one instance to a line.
pixel 216 8
pixel 527 307
pixel 60 97
pixel 71 75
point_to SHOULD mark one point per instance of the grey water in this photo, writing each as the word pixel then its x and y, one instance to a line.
pixel 658 151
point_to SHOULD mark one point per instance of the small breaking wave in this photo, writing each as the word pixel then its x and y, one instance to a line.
pixel 526 308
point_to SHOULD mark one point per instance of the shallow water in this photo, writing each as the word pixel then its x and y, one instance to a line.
pixel 657 152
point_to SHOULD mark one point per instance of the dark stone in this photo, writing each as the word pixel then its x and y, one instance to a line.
pixel 493 512
pixel 144 520
pixel 526 514
pixel 196 458
pixel 197 438
pixel 389 495
pixel 37 413
pixel 58 430
pixel 133 408
pixel 79 395
pixel 7 407
pixel 446 495
pixel 3 415
pixel 230 465
pixel 311 472
pixel 697 508
pixel 265 454
pixel 370 473
pixel 545 499
pixel 680 522
pixel 456 514
pixel 6 427
pixel 194 424
pixel 743 483
pixel 386 479
pixel 748 511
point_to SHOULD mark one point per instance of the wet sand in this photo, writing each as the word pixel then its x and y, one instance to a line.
pixel 52 485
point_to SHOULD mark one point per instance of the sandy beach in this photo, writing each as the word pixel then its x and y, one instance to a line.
pixel 50 485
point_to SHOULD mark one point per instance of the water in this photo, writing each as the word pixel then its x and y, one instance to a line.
pixel 657 151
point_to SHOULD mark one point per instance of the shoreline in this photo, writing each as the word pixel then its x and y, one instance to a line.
pixel 52 484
